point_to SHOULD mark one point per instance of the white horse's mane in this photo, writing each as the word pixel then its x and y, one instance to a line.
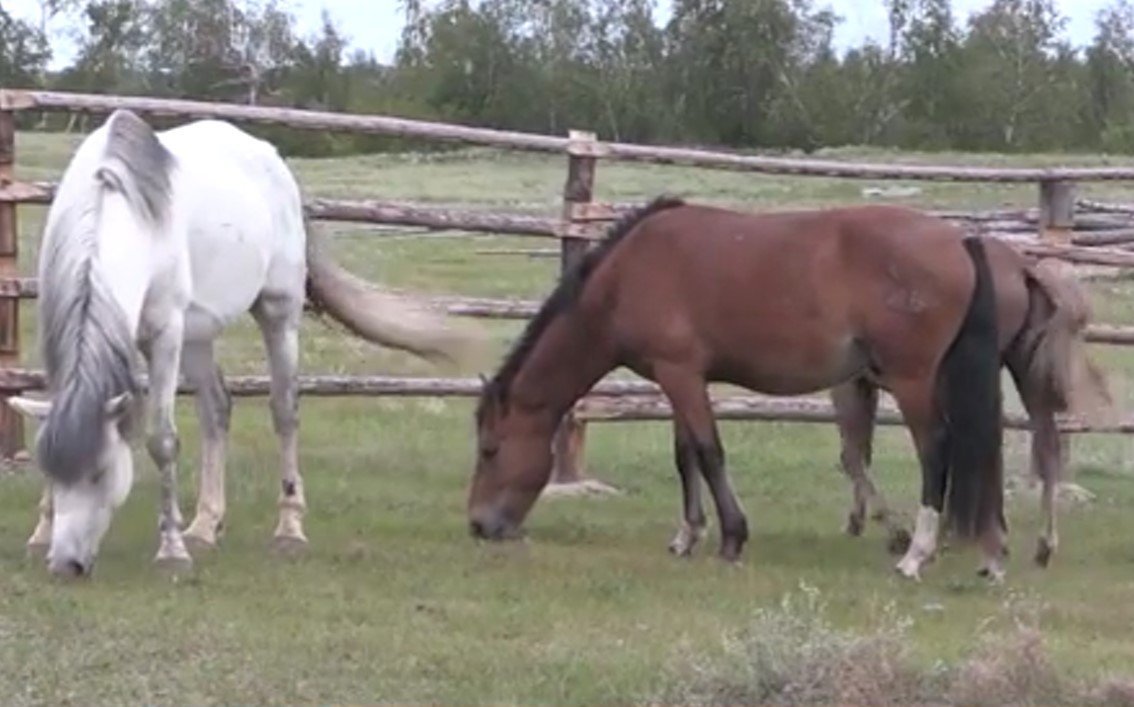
pixel 85 339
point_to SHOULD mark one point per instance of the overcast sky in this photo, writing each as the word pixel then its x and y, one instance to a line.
pixel 374 25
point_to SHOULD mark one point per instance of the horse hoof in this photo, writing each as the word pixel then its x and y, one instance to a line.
pixel 908 569
pixel 994 575
pixel 729 553
pixel 854 525
pixel 289 545
pixel 174 565
pixel 899 541
pixel 1044 551
pixel 680 548
pixel 688 536
pixel 198 544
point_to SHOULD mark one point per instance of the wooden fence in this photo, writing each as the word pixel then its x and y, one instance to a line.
pixel 1085 235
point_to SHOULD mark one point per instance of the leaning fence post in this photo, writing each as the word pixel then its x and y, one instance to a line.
pixel 582 156
pixel 11 423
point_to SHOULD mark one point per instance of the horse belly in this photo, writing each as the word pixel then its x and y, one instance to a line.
pixel 229 268
pixel 796 366
pixel 788 342
pixel 202 325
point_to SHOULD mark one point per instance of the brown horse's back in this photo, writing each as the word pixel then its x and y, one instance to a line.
pixel 697 285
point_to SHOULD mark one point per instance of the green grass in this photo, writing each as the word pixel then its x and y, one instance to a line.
pixel 395 602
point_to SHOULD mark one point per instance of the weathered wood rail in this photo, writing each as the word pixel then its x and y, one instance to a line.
pixel 609 401
pixel 1063 233
pixel 1091 228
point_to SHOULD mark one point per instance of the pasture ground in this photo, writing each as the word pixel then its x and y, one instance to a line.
pixel 394 601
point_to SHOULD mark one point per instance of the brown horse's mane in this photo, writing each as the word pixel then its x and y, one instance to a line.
pixel 565 294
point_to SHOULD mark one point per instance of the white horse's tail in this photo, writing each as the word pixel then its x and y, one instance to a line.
pixel 382 317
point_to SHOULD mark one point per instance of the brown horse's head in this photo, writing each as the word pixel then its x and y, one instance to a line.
pixel 513 464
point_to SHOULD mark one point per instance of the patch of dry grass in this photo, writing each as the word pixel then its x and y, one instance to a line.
pixel 792 654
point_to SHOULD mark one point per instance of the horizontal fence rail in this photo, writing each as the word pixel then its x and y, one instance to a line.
pixel 14 100
pixel 1088 239
pixel 521 309
pixel 610 400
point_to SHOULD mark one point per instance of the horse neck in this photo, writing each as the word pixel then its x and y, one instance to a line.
pixel 87 333
pixel 570 357
pixel 126 258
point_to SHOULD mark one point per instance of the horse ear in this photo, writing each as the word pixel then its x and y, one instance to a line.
pixel 37 409
pixel 118 405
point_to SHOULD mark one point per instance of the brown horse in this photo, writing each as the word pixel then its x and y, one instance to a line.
pixel 1042 316
pixel 784 304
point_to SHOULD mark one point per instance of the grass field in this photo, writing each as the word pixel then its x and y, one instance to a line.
pixel 394 601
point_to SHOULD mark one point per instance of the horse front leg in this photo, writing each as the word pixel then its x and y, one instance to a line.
pixel 163 355
pixel 692 527
pixel 40 539
pixel 689 397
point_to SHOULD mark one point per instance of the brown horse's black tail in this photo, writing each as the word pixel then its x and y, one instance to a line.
pixel 970 402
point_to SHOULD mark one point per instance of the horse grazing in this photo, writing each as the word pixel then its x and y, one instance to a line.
pixel 155 242
pixel 781 303
pixel 1042 316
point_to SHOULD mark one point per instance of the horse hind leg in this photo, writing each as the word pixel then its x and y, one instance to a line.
pixel 1046 459
pixel 278 318
pixel 916 401
pixel 214 411
pixel 934 444
pixel 856 404
pixel 854 434
pixel 692 527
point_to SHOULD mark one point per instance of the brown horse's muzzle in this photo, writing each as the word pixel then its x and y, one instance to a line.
pixel 493 525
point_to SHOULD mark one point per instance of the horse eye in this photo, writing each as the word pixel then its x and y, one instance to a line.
pixel 488 452
pixel 96 478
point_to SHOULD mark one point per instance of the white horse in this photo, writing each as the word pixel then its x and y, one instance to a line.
pixel 153 244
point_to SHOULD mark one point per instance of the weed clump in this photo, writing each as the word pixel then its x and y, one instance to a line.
pixel 791 654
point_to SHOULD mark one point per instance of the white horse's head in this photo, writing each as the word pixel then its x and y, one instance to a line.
pixel 84 501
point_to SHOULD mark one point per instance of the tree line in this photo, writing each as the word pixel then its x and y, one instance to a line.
pixel 760 74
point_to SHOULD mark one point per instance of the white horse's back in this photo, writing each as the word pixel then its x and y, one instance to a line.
pixel 243 220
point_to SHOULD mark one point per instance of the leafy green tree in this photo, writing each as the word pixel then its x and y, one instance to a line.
pixel 1110 77
pixel 23 52
pixel 109 49
pixel 1008 65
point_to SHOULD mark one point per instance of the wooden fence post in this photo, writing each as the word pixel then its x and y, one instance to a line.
pixel 11 423
pixel 569 446
pixel 1057 212
pixel 1056 224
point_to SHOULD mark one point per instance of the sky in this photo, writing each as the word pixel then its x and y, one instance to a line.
pixel 375 25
